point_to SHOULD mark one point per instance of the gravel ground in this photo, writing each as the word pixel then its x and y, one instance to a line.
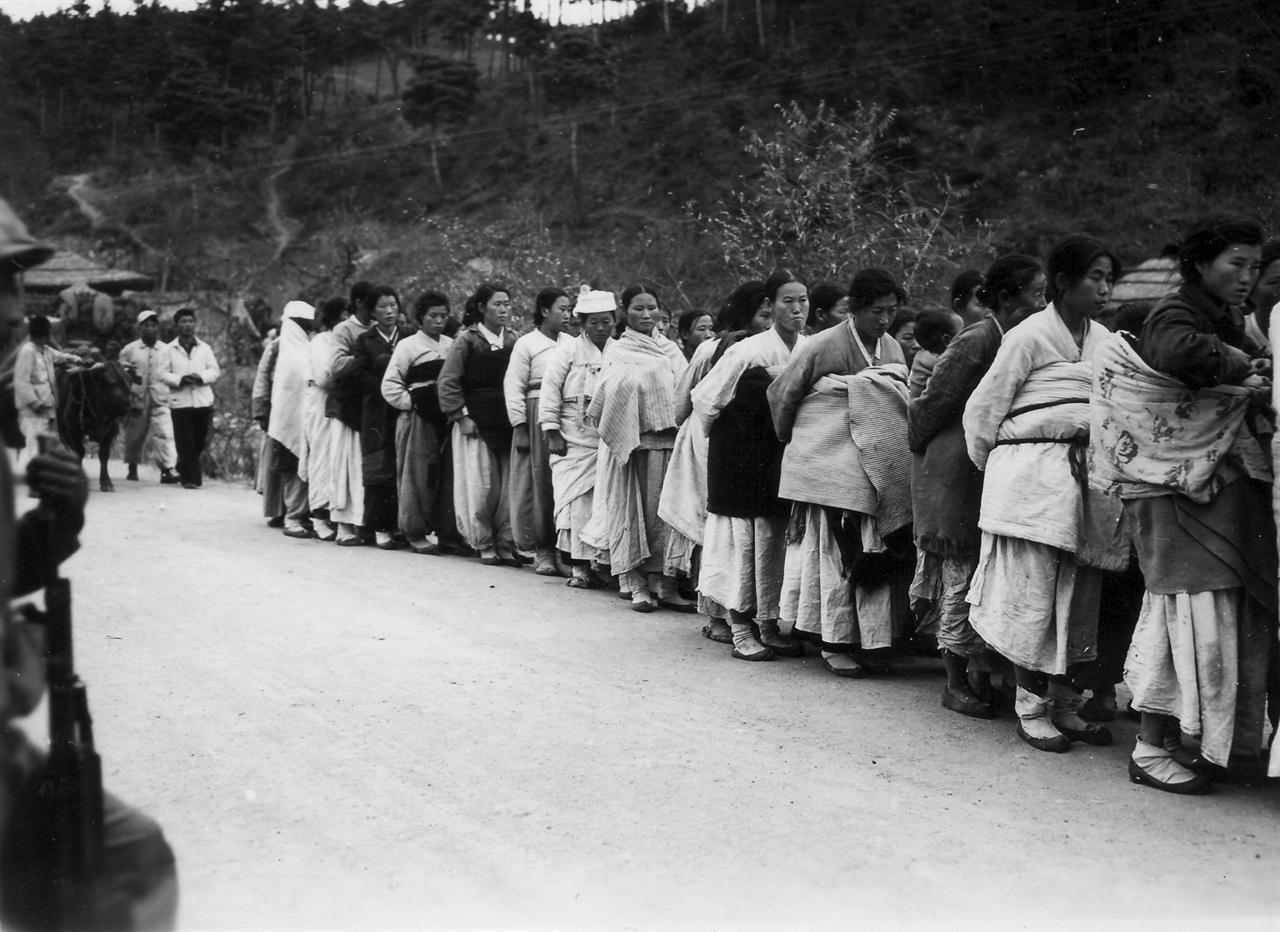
pixel 345 738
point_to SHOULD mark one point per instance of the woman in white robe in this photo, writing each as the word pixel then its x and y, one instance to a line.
pixel 1045 537
pixel 287 423
pixel 568 385
pixel 532 505
pixel 634 409
pixel 317 469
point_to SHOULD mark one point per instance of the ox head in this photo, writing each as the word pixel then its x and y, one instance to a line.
pixel 111 390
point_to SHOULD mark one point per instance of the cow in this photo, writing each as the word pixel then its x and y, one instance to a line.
pixel 91 405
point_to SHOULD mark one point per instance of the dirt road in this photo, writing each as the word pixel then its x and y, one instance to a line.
pixel 346 738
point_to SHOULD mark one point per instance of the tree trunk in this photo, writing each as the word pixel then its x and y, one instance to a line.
pixel 666 16
pixel 435 161
pixel 760 21
pixel 573 148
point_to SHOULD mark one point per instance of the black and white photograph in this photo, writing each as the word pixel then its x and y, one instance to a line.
pixel 639 465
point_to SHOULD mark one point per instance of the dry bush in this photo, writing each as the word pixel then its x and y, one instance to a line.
pixel 829 199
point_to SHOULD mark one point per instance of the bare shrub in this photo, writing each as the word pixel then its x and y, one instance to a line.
pixel 828 200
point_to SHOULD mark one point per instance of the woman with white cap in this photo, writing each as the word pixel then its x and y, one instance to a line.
pixel 286 425
pixel 568 385
pixel 532 506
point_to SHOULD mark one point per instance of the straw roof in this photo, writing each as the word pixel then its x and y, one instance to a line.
pixel 68 270
pixel 1148 282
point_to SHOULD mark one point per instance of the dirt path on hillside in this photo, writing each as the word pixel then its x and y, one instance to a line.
pixel 339 738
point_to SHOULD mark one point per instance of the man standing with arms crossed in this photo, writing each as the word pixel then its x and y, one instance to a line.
pixel 191 401
pixel 150 366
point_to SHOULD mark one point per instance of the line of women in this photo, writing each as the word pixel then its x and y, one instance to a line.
pixel 1054 505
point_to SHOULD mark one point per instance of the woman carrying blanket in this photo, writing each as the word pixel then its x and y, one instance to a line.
pixel 744 545
pixel 634 409
pixel 1179 429
pixel 533 520
pixel 471 397
pixel 1045 538
pixel 424 473
pixel 840 406
pixel 946 488
pixel 568 385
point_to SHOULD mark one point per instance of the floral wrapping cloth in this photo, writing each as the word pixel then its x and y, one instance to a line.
pixel 1150 434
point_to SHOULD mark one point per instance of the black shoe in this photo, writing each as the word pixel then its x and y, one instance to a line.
pixel 1055 745
pixel 133 474
pixel 168 478
pixel 1093 733
pixel 969 705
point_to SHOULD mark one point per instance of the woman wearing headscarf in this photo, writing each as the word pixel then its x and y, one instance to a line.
pixel 1046 538
pixel 634 409
pixel 287 424
pixel 1179 419
pixel 840 406
pixel 378 419
pixel 744 545
pixel 568 386
pixel 472 398
pixel 533 522
pixel 318 467
pixel 424 486
pixel 946 488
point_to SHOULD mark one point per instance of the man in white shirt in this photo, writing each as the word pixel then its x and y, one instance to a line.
pixel 191 401
pixel 149 363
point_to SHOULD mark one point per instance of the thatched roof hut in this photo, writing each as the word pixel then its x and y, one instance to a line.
pixel 1147 283
pixel 68 270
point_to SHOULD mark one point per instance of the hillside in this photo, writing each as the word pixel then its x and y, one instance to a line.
pixel 289 149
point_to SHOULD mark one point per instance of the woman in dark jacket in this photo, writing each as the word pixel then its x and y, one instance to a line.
pixel 471 396
pixel 946 488
pixel 372 352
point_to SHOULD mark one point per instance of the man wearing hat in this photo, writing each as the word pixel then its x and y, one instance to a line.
pixel 135 884
pixel 149 362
